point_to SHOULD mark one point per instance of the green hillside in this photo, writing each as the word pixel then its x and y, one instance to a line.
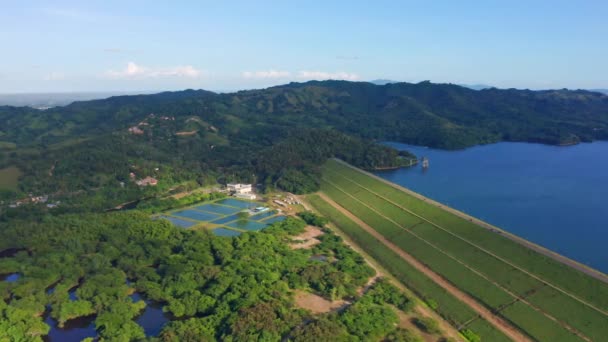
pixel 276 137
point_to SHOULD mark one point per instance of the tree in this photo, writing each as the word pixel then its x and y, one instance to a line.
pixel 321 330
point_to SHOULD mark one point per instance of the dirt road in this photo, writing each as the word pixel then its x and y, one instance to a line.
pixel 485 313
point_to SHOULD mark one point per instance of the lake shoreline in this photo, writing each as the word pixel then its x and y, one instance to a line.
pixel 521 188
pixel 526 243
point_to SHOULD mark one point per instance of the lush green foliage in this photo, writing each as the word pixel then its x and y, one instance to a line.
pixel 313 219
pixel 276 136
pixel 221 288
pixel 156 205
pixel 470 335
pixel 233 289
pixel 403 335
pixel 428 325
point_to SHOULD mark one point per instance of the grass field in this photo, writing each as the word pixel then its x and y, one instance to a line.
pixel 6 145
pixel 9 178
pixel 486 265
pixel 450 308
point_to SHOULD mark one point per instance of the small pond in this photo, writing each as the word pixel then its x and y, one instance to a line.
pixel 73 330
pixel 10 278
pixel 152 319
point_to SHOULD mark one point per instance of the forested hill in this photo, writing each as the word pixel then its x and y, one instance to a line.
pixel 275 136
pixel 436 115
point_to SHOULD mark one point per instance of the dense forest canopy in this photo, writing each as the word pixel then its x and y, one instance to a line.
pixel 437 115
pixel 214 288
pixel 275 137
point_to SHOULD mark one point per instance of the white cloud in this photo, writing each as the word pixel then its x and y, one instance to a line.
pixel 134 71
pixel 322 75
pixel 302 75
pixel 54 76
pixel 267 74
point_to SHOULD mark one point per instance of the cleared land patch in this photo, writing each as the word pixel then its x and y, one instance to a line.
pixel 9 178
pixel 307 239
pixel 316 304
pixel 464 254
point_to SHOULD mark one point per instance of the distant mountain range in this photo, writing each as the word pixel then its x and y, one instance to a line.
pixel 277 132
pixel 425 113
pixel 49 100
pixel 470 86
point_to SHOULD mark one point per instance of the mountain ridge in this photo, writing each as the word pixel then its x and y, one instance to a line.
pixel 562 115
pixel 275 136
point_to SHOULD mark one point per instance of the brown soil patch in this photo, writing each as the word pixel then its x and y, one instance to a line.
pixel 307 239
pixel 186 133
pixel 317 304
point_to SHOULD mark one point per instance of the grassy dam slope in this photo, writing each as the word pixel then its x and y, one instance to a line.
pixel 540 296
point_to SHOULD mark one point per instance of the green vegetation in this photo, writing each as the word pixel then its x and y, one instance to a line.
pixel 313 219
pixel 217 288
pixel 471 336
pixel 84 156
pixel 156 205
pixel 276 137
pixel 460 251
pixel 428 325
pixel 444 303
pixel 4 145
pixel 403 335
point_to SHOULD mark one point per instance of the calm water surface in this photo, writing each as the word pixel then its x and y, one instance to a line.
pixel 554 196
pixel 152 319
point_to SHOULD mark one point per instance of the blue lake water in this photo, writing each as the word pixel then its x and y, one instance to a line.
pixel 554 196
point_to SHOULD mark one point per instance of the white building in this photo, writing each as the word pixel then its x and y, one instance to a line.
pixel 238 188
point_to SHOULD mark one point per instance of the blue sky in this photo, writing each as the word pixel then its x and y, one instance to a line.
pixel 55 46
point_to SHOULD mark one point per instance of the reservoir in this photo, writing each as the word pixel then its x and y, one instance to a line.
pixel 554 196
